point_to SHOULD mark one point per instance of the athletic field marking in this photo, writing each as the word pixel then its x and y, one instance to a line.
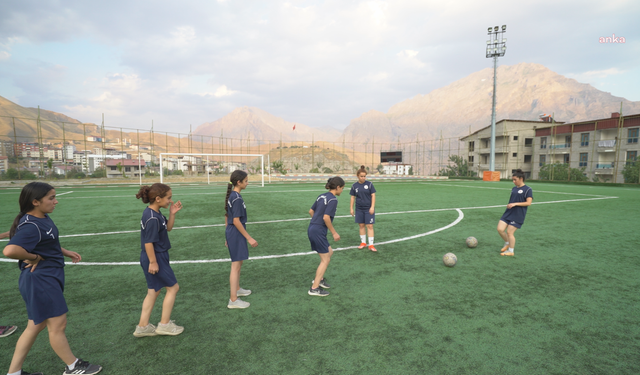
pixel 186 195
pixel 337 217
pixel 68 192
pixel 222 260
pixel 496 188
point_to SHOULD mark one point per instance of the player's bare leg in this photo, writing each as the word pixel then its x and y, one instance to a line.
pixel 322 268
pixel 502 227
pixel 147 307
pixel 169 301
pixel 24 344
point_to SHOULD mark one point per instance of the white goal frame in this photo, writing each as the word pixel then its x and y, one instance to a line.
pixel 207 155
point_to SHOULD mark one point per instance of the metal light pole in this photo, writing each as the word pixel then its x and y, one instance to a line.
pixel 495 48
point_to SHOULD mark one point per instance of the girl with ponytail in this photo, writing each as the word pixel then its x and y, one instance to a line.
pixel 35 244
pixel 513 217
pixel 322 213
pixel 154 259
pixel 236 236
pixel 364 214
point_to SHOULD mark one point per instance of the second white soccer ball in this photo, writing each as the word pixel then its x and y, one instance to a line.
pixel 449 259
pixel 472 242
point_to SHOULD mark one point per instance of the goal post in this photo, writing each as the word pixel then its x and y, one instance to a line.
pixel 207 161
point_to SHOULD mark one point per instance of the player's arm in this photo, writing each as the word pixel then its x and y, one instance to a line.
pixel 173 210
pixel 4 235
pixel 373 203
pixel 353 200
pixel 151 254
pixel 329 224
pixel 19 252
pixel 311 212
pixel 243 231
pixel 521 204
pixel 75 257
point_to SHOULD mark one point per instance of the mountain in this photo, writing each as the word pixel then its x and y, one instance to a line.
pixel 253 122
pixel 524 91
pixel 26 126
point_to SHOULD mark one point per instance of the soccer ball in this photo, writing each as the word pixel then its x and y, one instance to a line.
pixel 449 259
pixel 472 242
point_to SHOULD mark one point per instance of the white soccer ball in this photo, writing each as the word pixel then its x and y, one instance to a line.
pixel 449 259
pixel 472 242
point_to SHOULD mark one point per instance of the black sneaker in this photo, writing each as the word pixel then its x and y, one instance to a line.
pixel 323 284
pixel 29 373
pixel 318 292
pixel 84 368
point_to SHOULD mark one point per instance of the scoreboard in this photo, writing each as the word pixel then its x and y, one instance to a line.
pixel 390 156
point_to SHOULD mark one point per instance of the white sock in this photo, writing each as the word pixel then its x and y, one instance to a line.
pixel 363 238
pixel 370 241
pixel 510 250
pixel 15 373
pixel 506 244
pixel 73 365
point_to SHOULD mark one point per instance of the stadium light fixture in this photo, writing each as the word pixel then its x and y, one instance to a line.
pixel 497 48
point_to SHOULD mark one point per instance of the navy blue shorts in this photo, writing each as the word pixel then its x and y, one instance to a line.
pixel 318 238
pixel 165 276
pixel 237 244
pixel 42 292
pixel 511 222
pixel 364 217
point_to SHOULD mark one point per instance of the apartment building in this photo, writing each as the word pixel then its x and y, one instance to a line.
pixel 601 146
pixel 513 150
pixel 129 167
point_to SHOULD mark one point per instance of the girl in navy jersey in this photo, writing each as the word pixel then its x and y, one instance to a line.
pixel 236 236
pixel 35 243
pixel 322 213
pixel 513 217
pixel 364 214
pixel 154 259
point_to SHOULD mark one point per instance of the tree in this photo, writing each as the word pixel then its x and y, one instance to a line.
pixel 119 167
pixel 460 167
pixel 631 172
pixel 561 172
pixel 99 172
pixel 327 170
pixel 278 166
pixel 411 171
pixel 380 168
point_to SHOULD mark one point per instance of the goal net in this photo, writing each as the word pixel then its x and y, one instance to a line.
pixel 208 168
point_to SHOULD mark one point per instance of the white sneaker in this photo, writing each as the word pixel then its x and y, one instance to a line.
pixel 243 292
pixel 238 304
pixel 169 329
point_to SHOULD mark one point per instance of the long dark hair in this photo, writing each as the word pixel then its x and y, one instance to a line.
pixel 519 173
pixel 33 190
pixel 236 177
pixel 334 182
pixel 149 193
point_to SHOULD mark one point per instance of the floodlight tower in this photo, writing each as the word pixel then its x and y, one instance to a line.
pixel 496 47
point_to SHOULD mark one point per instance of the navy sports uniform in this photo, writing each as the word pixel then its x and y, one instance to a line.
pixel 153 229
pixel 325 204
pixel 42 289
pixel 515 215
pixel 363 192
pixel 236 242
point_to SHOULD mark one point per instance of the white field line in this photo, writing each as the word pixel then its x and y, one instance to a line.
pixel 67 192
pixel 496 188
pixel 336 217
pixel 221 260
pixel 185 195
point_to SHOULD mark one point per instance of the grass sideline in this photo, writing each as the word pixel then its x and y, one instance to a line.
pixel 565 304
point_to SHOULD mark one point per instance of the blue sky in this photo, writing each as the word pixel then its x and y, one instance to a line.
pixel 320 63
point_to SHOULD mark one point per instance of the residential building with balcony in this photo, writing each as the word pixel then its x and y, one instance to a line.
pixel 129 167
pixel 513 148
pixel 601 147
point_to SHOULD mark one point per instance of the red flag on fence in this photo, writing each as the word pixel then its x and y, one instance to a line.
pixel 294 126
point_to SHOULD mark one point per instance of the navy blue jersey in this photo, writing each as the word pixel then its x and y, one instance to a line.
pixel 154 230
pixel 236 208
pixel 325 204
pixel 39 236
pixel 362 192
pixel 517 213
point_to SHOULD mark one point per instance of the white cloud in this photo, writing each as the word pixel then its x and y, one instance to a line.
pixel 4 55
pixel 223 91
pixel 376 77
pixel 411 58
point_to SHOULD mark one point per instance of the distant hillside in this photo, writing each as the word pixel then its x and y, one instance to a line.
pixel 255 123
pixel 524 92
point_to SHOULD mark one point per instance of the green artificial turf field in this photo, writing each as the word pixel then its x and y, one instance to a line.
pixel 567 303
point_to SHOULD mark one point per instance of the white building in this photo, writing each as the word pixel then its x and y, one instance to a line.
pixel 396 169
